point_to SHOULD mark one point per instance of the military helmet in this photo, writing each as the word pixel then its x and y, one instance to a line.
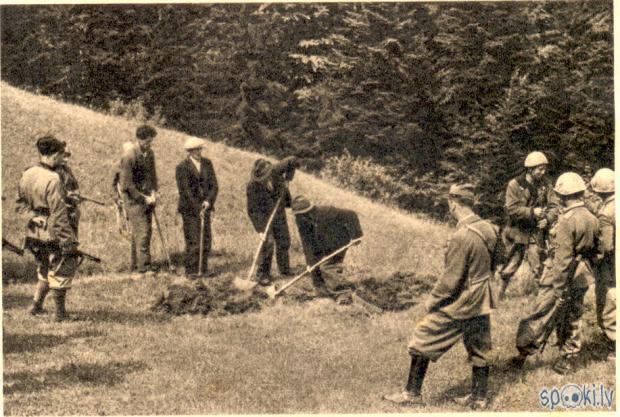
pixel 569 183
pixel 603 181
pixel 534 159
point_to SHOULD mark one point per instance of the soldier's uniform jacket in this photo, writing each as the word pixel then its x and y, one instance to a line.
pixel 41 193
pixel 464 290
pixel 137 175
pixel 521 199
pixel 607 224
pixel 71 186
pixel 261 200
pixel 326 229
pixel 575 234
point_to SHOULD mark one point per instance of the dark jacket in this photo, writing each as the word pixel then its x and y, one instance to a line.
pixel 325 229
pixel 195 187
pixel 261 201
pixel 137 176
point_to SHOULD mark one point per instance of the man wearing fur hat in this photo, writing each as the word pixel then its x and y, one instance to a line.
pixel 138 186
pixel 323 230
pixel 49 234
pixel 459 305
pixel 268 191
pixel 198 190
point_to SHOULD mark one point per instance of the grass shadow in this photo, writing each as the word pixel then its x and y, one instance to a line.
pixel 18 271
pixel 20 343
pixel 108 375
pixel 15 301
pixel 120 317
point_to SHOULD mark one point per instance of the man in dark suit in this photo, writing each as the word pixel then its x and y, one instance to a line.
pixel 269 185
pixel 198 189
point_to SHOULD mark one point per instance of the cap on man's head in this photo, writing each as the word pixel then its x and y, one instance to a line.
pixel 49 145
pixel 145 132
pixel 301 205
pixel 262 170
pixel 193 143
pixel 464 191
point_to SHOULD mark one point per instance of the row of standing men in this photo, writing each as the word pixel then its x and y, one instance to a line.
pixel 49 202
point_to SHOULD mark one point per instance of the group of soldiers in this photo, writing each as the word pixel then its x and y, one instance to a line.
pixel 49 200
pixel 567 246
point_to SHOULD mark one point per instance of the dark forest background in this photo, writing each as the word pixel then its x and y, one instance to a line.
pixel 395 100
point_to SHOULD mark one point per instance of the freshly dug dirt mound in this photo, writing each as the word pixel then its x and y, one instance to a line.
pixel 398 292
pixel 220 297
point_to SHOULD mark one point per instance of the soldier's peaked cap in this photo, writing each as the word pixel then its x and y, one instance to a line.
pixel 462 191
pixel 49 145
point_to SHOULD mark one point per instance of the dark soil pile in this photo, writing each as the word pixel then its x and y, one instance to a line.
pixel 220 297
pixel 398 292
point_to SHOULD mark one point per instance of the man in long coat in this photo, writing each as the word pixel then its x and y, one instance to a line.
pixel 197 185
pixel 268 191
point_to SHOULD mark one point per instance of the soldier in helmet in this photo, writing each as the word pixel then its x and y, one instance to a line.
pixel 49 234
pixel 459 305
pixel 605 284
pixel 565 280
pixel 531 209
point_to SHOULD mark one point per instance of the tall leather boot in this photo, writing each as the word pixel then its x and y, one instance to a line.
pixel 39 298
pixel 59 298
pixel 413 390
pixel 477 398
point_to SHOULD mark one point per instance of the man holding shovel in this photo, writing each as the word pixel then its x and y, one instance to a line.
pixel 138 185
pixel 323 230
pixel 198 190
pixel 267 196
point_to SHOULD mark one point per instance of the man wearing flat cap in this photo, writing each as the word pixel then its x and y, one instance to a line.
pixel 72 189
pixel 267 192
pixel 49 234
pixel 323 230
pixel 459 305
pixel 138 186
pixel 198 189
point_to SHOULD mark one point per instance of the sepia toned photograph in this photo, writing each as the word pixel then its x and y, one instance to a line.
pixel 308 208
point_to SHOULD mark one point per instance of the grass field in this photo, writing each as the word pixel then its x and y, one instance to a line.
pixel 314 357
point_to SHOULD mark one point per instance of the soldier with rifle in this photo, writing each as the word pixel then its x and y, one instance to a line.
pixel 531 210
pixel 565 280
pixel 49 232
pixel 603 184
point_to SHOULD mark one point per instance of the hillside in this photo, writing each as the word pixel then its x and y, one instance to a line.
pixel 121 358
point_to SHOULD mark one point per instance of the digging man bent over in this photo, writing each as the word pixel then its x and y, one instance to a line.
pixel 459 305
pixel 49 233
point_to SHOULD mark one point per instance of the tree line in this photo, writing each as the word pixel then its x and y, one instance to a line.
pixel 402 97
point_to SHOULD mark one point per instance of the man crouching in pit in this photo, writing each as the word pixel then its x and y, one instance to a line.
pixel 49 234
pixel 458 306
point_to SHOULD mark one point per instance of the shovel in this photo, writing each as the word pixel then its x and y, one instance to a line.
pixel 202 237
pixel 163 241
pixel 248 284
pixel 273 292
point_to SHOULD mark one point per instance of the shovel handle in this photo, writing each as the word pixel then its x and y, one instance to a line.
pixel 316 265
pixel 163 241
pixel 264 237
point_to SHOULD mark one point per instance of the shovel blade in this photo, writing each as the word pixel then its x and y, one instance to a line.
pixel 244 284
pixel 272 292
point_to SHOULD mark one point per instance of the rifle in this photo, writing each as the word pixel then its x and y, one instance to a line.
pixel 80 199
pixel 13 248
pixel 557 316
pixel 35 245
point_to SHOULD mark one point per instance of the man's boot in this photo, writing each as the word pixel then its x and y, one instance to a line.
pixel 564 365
pixel 477 399
pixel 412 395
pixel 39 298
pixel 517 362
pixel 59 298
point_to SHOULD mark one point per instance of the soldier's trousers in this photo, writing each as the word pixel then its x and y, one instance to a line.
pixel 282 244
pixel 437 332
pixel 141 219
pixel 191 232
pixel 606 309
pixel 531 330
pixel 55 269
pixel 532 250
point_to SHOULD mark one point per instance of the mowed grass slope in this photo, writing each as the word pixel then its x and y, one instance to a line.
pixel 120 358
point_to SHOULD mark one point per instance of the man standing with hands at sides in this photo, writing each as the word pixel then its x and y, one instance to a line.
pixel 459 305
pixel 138 185
pixel 198 190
